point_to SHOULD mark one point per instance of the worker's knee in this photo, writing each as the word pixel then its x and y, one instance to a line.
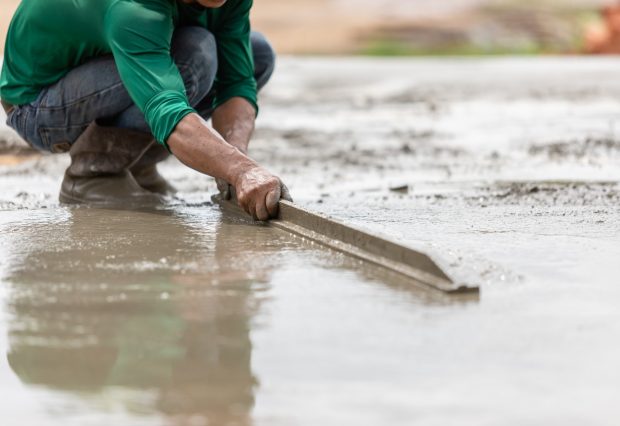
pixel 264 58
pixel 195 52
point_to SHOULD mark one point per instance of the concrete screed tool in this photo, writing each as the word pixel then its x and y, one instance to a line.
pixel 381 251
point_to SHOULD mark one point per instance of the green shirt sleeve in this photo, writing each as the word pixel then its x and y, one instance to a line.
pixel 139 35
pixel 235 76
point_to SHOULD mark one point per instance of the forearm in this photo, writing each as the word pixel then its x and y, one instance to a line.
pixel 196 146
pixel 235 120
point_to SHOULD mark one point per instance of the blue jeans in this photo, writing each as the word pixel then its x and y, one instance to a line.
pixel 94 91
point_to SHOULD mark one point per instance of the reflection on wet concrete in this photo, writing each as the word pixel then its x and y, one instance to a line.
pixel 157 303
pixel 137 300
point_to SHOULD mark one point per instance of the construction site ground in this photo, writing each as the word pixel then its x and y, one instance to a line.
pixel 506 170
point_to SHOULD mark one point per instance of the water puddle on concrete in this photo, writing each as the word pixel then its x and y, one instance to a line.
pixel 168 318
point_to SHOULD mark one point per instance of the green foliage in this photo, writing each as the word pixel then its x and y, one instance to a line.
pixel 387 48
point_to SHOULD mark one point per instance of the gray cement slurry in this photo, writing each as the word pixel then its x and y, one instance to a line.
pixel 358 243
pixel 143 314
pixel 184 317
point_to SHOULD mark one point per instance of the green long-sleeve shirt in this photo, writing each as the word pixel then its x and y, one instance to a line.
pixel 47 38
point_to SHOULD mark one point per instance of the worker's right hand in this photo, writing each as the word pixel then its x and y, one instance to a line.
pixel 258 193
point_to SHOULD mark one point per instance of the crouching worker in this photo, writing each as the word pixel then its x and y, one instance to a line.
pixel 120 84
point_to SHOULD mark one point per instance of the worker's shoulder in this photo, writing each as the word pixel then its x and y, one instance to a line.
pixel 232 9
pixel 239 4
pixel 122 17
pixel 140 9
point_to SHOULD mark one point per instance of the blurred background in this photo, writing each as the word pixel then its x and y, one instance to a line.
pixel 430 27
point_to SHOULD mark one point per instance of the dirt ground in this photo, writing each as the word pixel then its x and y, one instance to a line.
pixel 388 27
pixel 186 316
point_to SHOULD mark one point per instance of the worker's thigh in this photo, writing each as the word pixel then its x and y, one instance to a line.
pixel 95 91
pixel 62 111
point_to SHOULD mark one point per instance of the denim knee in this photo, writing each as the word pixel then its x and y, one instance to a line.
pixel 264 58
pixel 194 51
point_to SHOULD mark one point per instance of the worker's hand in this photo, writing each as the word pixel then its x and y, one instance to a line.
pixel 227 192
pixel 258 193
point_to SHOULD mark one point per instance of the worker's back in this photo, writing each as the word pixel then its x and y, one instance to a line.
pixel 45 40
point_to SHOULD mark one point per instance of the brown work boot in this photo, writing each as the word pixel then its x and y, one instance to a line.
pixel 146 174
pixel 99 171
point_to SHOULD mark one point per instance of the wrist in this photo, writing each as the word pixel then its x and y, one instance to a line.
pixel 239 168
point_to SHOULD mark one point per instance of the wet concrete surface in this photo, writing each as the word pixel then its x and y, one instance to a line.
pixel 508 173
